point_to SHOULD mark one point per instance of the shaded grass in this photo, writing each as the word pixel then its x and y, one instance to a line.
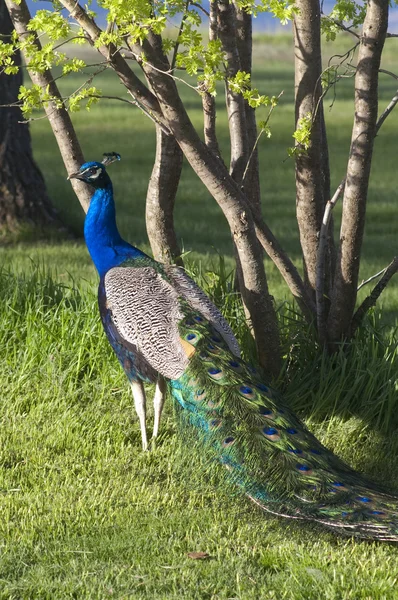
pixel 85 514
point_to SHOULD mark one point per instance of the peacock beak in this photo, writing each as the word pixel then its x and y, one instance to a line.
pixel 74 176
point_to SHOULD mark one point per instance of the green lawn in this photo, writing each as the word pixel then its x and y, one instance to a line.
pixel 83 512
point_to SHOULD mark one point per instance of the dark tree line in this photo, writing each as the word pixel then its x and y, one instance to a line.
pixel 23 195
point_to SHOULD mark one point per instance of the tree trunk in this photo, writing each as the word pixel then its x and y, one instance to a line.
pixel 358 170
pixel 58 116
pixel 310 165
pixel 162 190
pixel 23 194
pixel 227 193
pixel 244 40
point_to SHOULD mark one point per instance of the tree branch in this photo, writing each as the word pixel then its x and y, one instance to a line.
pixel 374 295
pixel 235 101
pixel 162 189
pixel 341 25
pixel 320 263
pixel 209 101
pixel 372 278
pixel 285 267
pixel 129 79
pixel 175 50
pixel 58 118
pixel 251 176
pixel 389 108
pixel 214 175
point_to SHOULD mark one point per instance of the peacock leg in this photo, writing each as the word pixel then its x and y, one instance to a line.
pixel 158 402
pixel 140 407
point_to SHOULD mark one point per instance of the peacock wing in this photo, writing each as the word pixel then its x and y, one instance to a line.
pixel 145 311
pixel 198 300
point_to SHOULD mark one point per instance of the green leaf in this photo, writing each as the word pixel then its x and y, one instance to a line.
pixel 51 23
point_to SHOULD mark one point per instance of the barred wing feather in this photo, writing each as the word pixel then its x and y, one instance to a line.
pixel 146 311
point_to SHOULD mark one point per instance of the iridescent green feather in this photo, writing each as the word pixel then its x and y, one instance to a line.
pixel 242 424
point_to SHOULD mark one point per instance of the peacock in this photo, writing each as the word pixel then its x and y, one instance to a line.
pixel 165 330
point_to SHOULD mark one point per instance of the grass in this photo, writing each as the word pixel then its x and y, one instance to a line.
pixel 84 514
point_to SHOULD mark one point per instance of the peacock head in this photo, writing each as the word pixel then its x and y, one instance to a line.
pixel 95 173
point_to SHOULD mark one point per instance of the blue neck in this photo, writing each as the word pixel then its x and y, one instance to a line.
pixel 106 247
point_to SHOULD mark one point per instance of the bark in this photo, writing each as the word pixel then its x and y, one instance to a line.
pixel 23 194
pixel 244 39
pixel 322 259
pixel 214 175
pixel 358 170
pixel 162 190
pixel 209 101
pixel 235 102
pixel 237 109
pixel 323 239
pixel 209 123
pixel 58 117
pixel 311 165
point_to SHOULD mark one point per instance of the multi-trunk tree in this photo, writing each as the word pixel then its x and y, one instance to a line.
pixel 137 39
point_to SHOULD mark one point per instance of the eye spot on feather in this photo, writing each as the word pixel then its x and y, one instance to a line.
pixel 314 451
pixel 339 486
pixel 262 387
pixel 215 373
pixel 216 339
pixel 235 366
pixel 213 349
pixel 304 469
pixel 213 403
pixel 266 412
pixel 364 499
pixel 246 392
pixel 271 434
pixel 198 319
pixel 189 323
pixel 228 441
pixel 291 430
pixel 215 423
pixel 377 513
pixel 205 357
pixel 192 338
pixel 199 395
pixel 295 450
pixel 252 369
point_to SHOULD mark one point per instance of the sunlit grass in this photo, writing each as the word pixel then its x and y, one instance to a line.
pixel 85 514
